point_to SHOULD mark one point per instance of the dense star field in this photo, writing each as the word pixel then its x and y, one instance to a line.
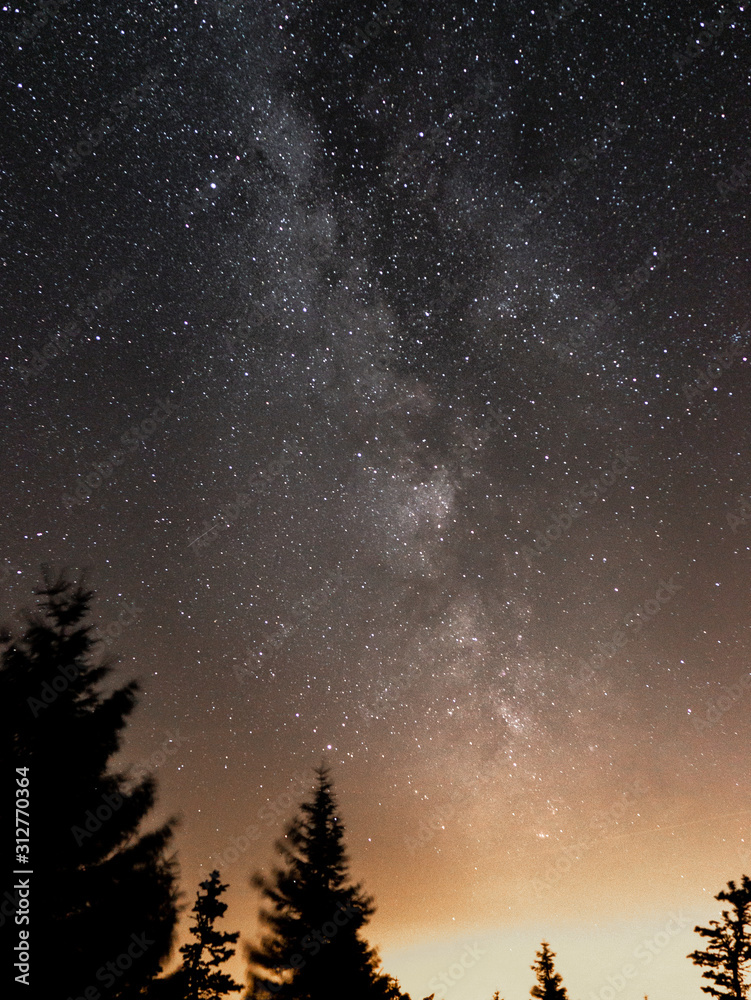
pixel 392 388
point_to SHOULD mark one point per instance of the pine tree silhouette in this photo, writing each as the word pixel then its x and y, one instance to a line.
pixel 313 949
pixel 727 960
pixel 548 986
pixel 103 895
pixel 200 973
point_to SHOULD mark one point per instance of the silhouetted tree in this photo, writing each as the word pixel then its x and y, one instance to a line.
pixel 103 896
pixel 548 986
pixel 200 972
pixel 727 960
pixel 313 949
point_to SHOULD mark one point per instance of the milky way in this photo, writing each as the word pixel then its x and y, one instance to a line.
pixel 449 333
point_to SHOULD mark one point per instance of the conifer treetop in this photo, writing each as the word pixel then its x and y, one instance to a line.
pixel 203 957
pixel 312 948
pixel 727 958
pixel 549 984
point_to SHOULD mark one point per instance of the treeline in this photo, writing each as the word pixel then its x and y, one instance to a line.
pixel 90 903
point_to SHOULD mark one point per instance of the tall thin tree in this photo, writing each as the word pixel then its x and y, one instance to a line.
pixel 203 958
pixel 548 985
pixel 103 893
pixel 727 958
pixel 313 949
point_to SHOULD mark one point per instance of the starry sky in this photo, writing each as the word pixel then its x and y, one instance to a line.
pixel 390 381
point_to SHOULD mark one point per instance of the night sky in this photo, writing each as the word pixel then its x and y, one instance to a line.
pixel 306 346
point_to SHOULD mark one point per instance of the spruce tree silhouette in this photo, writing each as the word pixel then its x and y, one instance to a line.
pixel 103 896
pixel 548 986
pixel 727 960
pixel 200 974
pixel 313 949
